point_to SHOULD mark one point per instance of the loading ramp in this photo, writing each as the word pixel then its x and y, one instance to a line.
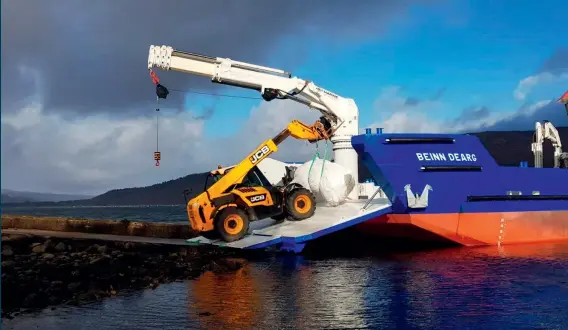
pixel 293 235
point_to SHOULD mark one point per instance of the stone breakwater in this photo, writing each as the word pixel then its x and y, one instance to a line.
pixel 39 272
pixel 109 227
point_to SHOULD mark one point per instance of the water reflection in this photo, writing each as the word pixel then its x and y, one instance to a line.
pixel 509 287
pixel 231 300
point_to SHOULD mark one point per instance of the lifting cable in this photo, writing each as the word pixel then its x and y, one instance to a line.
pixel 157 155
pixel 317 155
pixel 161 93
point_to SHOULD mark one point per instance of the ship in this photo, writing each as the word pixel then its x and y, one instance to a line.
pixel 435 186
pixel 449 188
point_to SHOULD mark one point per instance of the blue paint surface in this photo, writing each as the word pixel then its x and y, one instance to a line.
pixel 297 243
pixel 394 165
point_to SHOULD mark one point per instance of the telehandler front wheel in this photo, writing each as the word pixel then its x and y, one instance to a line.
pixel 231 224
pixel 300 204
pixel 280 217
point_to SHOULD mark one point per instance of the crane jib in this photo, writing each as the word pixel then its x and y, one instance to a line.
pixel 236 64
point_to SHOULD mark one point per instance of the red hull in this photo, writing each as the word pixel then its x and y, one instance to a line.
pixel 472 229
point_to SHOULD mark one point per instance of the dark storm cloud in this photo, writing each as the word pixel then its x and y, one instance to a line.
pixel 473 114
pixel 208 112
pixel 523 119
pixel 92 55
pixel 557 63
pixel 411 101
pixel 414 101
pixel 553 112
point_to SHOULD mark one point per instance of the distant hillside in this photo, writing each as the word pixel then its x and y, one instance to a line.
pixel 169 192
pixel 511 148
pixel 13 196
pixel 13 199
pixel 508 149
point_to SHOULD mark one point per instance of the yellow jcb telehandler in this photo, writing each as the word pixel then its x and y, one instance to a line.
pixel 242 193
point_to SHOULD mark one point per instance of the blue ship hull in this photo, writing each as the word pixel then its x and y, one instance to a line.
pixel 467 197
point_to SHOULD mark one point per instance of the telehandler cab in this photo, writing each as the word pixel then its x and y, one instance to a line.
pixel 242 193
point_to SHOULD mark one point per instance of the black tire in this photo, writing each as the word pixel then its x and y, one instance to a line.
pixel 212 234
pixel 231 224
pixel 300 204
pixel 280 217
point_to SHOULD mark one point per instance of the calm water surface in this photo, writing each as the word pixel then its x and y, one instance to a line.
pixel 521 287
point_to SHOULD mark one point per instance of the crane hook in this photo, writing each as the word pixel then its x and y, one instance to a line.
pixel 157 157
pixel 161 91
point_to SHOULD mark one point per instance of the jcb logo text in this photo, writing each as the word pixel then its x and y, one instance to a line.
pixel 257 198
pixel 259 154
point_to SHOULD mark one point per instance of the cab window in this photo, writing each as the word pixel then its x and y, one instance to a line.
pixel 251 180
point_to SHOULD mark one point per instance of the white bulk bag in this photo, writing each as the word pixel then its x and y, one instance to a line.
pixel 332 186
pixel 335 184
pixel 302 176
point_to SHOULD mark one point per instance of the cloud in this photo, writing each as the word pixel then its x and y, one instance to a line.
pixel 391 99
pixel 526 85
pixel 473 114
pixel 208 112
pixel 439 93
pixel 44 151
pixel 525 117
pixel 557 63
pixel 92 57
pixel 405 118
pixel 74 80
pixel 411 101
pixel 554 70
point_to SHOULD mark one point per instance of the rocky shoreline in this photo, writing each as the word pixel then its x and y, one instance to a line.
pixel 100 226
pixel 41 272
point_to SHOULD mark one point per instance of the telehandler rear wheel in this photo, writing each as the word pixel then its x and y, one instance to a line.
pixel 232 224
pixel 300 204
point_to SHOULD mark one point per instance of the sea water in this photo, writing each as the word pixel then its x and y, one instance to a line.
pixel 512 287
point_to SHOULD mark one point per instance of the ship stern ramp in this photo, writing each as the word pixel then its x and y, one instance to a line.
pixel 451 186
pixel 292 236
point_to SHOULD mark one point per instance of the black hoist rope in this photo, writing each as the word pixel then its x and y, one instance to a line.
pixel 161 93
pixel 157 154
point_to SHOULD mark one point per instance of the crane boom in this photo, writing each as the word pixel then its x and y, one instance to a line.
pixel 549 132
pixel 341 113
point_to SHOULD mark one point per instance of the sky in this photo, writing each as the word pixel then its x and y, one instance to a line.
pixel 78 107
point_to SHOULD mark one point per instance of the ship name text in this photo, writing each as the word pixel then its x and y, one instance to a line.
pixel 445 157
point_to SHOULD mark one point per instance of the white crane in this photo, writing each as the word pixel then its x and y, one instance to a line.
pixel 549 132
pixel 342 114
